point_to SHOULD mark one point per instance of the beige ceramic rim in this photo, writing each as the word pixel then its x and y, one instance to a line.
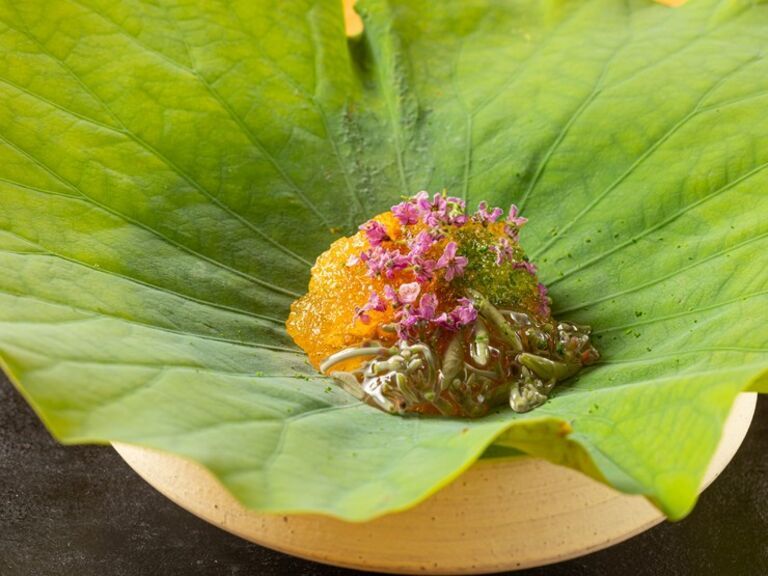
pixel 497 516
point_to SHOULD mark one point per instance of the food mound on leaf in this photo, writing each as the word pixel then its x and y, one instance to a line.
pixel 431 310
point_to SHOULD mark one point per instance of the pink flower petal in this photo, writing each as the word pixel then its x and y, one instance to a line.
pixel 390 294
pixel 409 292
pixel 375 232
pixel 406 212
pixel 428 306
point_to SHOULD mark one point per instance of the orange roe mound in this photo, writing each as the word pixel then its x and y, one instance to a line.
pixel 324 321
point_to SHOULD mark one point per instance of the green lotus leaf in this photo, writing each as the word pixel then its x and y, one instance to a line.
pixel 169 171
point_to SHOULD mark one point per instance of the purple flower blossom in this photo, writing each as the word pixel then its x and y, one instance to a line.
pixel 421 243
pixel 527 266
pixel 406 322
pixel 487 216
pixel 375 232
pixel 381 261
pixel 512 231
pixel 435 213
pixel 423 269
pixel 455 211
pixel 390 294
pixel 374 303
pixel 514 219
pixel 513 223
pixel 407 293
pixel 422 201
pixel 462 315
pixel 428 306
pixel 362 316
pixel 408 314
pixel 407 212
pixel 454 265
pixel 465 313
pixel 459 220
pixel 503 251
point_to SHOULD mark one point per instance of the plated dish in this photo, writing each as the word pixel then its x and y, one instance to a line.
pixel 433 310
pixel 182 189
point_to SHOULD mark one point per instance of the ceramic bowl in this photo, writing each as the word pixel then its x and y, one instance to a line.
pixel 499 515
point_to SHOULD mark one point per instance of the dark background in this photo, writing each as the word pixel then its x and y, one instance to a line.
pixel 82 511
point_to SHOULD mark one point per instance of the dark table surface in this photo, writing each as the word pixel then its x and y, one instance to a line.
pixel 82 511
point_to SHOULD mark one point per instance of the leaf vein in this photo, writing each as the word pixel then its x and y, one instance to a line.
pixel 49 254
pixel 123 130
pixel 644 156
pixel 661 224
pixel 660 279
